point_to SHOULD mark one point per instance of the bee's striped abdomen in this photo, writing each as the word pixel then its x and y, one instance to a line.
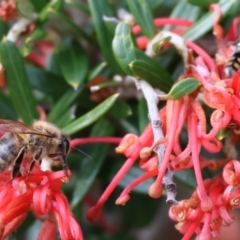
pixel 8 150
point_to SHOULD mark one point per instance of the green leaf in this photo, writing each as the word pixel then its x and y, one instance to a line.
pixel 98 10
pixel 17 81
pixel 25 8
pixel 180 10
pixel 81 7
pixel 66 118
pixel 39 4
pixel 111 23
pixel 47 82
pixel 142 12
pixel 123 47
pixel 63 105
pixel 142 114
pixel 183 87
pixel 155 3
pixel 73 62
pixel 7 110
pixel 91 116
pixel 202 3
pixel 74 26
pixel 52 6
pixel 127 55
pixel 121 109
pixel 38 33
pixel 153 73
pixel 96 71
pixel 3 29
pixel 128 127
pixel 90 168
pixel 204 24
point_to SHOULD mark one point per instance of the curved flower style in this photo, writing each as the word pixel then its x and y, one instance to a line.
pixel 210 205
pixel 40 193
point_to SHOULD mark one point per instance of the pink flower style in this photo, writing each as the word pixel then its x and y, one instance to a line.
pixel 211 203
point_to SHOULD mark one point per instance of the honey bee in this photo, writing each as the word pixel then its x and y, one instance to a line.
pixel 233 64
pixel 41 141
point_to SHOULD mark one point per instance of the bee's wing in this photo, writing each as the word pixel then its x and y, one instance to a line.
pixel 18 127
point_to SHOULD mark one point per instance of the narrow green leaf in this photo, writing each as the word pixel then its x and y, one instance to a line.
pixel 7 110
pixel 179 11
pixel 183 87
pixel 96 71
pixel 63 104
pixel 202 3
pixel 73 62
pixel 123 47
pixel 25 8
pixel 98 10
pixel 142 12
pixel 155 3
pixel 66 118
pixel 47 82
pixel 81 7
pixel 90 168
pixel 91 116
pixel 39 4
pixel 3 29
pixel 128 127
pixel 204 24
pixel 153 73
pixel 52 6
pixel 121 109
pixel 142 114
pixel 17 81
pixel 74 26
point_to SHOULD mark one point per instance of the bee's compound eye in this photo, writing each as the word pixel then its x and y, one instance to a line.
pixel 65 146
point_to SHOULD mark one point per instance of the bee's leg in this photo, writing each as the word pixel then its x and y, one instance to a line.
pixel 18 163
pixel 36 157
pixel 64 165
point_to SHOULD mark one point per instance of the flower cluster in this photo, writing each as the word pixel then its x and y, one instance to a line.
pixel 210 205
pixel 8 10
pixel 40 193
pixel 224 192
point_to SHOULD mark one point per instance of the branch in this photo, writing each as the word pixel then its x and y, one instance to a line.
pixel 19 27
pixel 152 100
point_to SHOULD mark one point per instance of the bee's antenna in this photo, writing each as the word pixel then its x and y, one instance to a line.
pixel 81 152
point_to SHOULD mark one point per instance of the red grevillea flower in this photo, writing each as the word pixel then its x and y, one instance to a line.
pixel 224 192
pixel 210 205
pixel 8 10
pixel 40 193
